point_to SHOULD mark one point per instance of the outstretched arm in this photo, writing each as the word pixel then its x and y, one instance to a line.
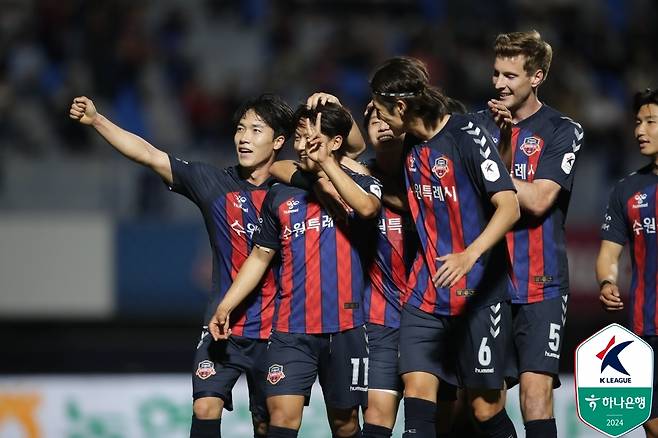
pixel 130 145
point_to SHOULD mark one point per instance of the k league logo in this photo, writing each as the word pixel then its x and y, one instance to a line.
pixel 614 380
pixel 568 161
pixel 610 357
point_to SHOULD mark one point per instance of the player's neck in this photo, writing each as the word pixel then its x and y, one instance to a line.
pixel 257 175
pixel 422 132
pixel 655 165
pixel 526 109
pixel 388 160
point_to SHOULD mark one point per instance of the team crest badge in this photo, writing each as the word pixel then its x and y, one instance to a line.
pixel 530 146
pixel 205 369
pixel 275 374
pixel 440 167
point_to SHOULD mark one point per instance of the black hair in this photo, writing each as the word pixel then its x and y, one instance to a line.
pixel 272 109
pixel 404 78
pixel 456 106
pixel 645 97
pixel 453 106
pixel 335 120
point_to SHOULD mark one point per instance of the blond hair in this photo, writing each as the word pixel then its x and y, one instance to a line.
pixel 538 53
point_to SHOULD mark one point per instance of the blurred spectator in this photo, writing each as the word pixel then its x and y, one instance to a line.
pixel 176 69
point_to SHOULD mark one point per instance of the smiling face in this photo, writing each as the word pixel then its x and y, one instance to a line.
pixel 646 130
pixel 254 141
pixel 380 133
pixel 300 143
pixel 514 86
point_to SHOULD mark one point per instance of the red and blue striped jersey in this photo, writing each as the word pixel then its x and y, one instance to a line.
pixel 230 207
pixel 631 216
pixel 321 277
pixel 544 146
pixel 450 179
pixel 394 246
pixel 388 257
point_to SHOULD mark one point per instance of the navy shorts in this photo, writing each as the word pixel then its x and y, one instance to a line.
pixel 469 350
pixel 217 366
pixel 383 358
pixel 538 334
pixel 653 341
pixel 340 360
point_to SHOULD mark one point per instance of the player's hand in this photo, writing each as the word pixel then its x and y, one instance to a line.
pixel 453 267
pixel 330 199
pixel 83 110
pixel 321 99
pixel 370 106
pixel 501 115
pixel 610 298
pixel 219 324
pixel 503 118
pixel 316 149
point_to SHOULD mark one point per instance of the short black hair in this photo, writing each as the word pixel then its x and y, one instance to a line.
pixel 645 97
pixel 272 109
pixel 336 120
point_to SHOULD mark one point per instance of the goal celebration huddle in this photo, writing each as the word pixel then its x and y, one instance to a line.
pixel 432 275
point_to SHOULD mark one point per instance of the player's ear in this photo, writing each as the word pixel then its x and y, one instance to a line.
pixel 537 78
pixel 279 142
pixel 401 107
pixel 335 143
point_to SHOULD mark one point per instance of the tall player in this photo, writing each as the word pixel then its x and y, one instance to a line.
pixel 392 250
pixel 540 156
pixel 230 201
pixel 395 246
pixel 455 323
pixel 318 329
pixel 631 218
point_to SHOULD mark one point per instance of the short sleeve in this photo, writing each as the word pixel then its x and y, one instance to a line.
pixel 558 159
pixel 192 179
pixel 368 183
pixel 614 221
pixel 484 162
pixel 268 231
pixel 483 118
